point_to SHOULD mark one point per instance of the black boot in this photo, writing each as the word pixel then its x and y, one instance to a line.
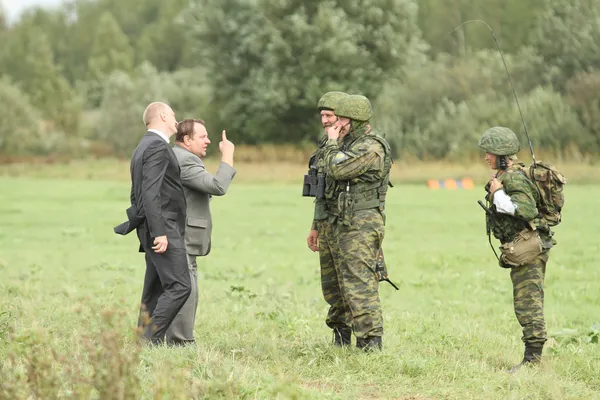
pixel 342 336
pixel 370 343
pixel 532 356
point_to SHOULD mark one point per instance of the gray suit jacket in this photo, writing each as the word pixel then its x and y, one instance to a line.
pixel 199 186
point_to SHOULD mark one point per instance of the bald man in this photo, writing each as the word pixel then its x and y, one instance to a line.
pixel 157 212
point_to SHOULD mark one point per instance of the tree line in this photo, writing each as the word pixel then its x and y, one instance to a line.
pixel 76 78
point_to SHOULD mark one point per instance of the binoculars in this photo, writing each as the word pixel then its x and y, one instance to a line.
pixel 314 185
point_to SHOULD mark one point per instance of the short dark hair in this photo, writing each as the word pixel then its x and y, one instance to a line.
pixel 186 128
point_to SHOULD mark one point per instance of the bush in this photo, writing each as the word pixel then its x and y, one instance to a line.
pixel 582 94
pixel 440 110
pixel 553 125
pixel 20 130
pixel 125 98
pixel 412 110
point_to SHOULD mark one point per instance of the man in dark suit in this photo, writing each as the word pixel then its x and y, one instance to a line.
pixel 158 212
pixel 191 141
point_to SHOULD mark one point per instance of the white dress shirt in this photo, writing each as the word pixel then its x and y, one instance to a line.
pixel 159 133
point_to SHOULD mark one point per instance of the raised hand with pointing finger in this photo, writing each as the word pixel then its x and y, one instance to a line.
pixel 227 149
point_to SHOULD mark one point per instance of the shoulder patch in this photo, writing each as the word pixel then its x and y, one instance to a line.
pixel 339 157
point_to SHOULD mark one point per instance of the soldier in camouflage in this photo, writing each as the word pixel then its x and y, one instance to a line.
pixel 359 163
pixel 525 240
pixel 320 237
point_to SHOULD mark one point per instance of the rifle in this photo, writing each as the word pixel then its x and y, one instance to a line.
pixel 381 270
pixel 489 215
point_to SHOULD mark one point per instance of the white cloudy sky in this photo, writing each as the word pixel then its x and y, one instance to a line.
pixel 15 7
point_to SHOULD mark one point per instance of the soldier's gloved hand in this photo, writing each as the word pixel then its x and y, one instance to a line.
pixel 313 240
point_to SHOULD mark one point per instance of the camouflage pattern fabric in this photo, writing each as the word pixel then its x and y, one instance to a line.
pixel 330 100
pixel 549 182
pixel 321 204
pixel 527 280
pixel 360 159
pixel 500 141
pixel 358 246
pixel 524 194
pixel 528 297
pixel 355 107
pixel 338 315
pixel 358 162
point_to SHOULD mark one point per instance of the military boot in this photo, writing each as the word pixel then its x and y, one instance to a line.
pixel 342 336
pixel 532 356
pixel 370 343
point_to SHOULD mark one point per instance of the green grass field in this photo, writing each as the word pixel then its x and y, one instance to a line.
pixel 70 289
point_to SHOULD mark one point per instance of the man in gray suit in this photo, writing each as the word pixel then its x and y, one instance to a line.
pixel 191 141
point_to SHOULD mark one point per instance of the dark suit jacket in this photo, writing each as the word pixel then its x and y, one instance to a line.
pixel 199 185
pixel 158 205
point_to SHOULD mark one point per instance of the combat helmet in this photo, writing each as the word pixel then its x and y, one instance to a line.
pixel 355 107
pixel 500 141
pixel 330 100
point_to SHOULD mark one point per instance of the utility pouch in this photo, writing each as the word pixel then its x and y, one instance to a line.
pixel 522 250
pixel 346 207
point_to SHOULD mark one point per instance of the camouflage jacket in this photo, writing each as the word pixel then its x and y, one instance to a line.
pixel 524 195
pixel 359 162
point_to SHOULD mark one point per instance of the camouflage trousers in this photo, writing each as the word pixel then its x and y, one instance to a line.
pixel 528 297
pixel 358 246
pixel 338 315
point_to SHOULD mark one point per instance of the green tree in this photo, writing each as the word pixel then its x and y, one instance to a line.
pixel 27 58
pixel 3 20
pixel 511 20
pixel 54 23
pixel 124 101
pixel 406 107
pixel 582 93
pixel 164 42
pixel 568 38
pixel 270 63
pixel 189 91
pixel 552 123
pixel 20 131
pixel 110 51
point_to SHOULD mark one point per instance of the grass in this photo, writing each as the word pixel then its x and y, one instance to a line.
pixel 288 170
pixel 70 290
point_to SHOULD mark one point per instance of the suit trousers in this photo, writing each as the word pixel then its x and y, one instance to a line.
pixel 182 327
pixel 167 286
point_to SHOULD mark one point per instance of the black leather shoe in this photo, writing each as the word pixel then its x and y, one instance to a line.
pixel 180 343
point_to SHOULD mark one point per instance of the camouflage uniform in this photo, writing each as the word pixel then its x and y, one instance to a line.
pixel 338 315
pixel 525 240
pixel 355 204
